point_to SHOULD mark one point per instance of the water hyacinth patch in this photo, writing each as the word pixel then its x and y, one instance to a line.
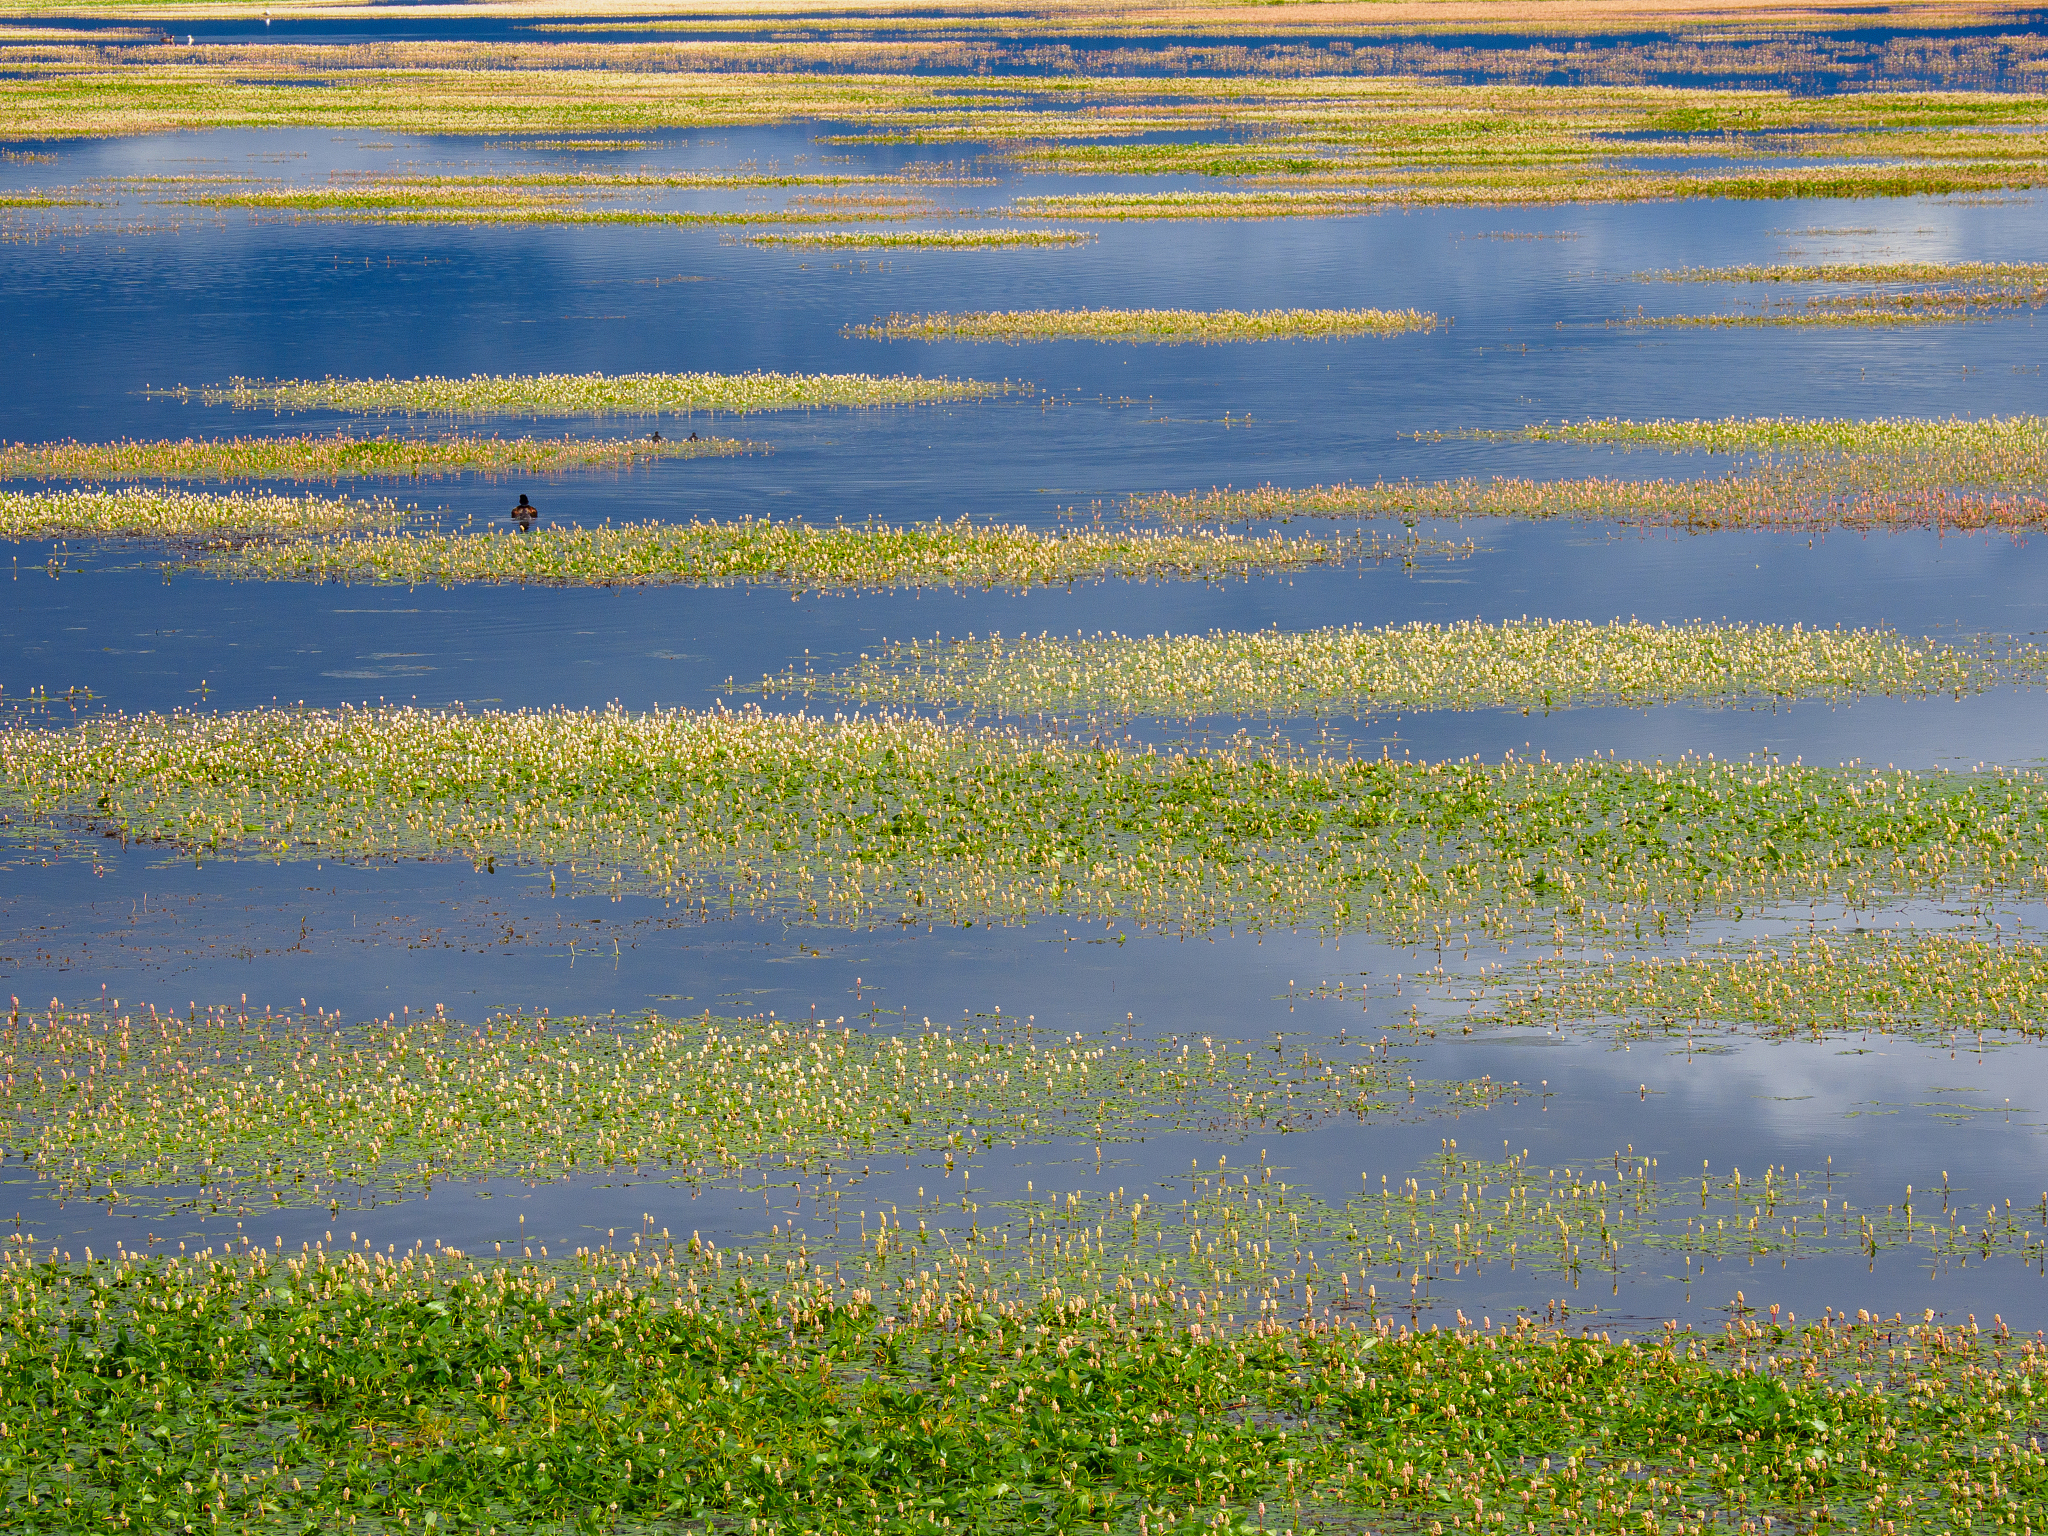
pixel 1932 985
pixel 166 514
pixel 1529 664
pixel 591 394
pixel 1161 325
pixel 863 555
pixel 656 1386
pixel 340 456
pixel 899 818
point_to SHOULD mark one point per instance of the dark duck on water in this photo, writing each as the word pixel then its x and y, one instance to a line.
pixel 526 514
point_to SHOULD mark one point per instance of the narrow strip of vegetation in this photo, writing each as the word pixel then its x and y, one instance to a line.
pixel 246 1112
pixel 165 514
pixel 1972 450
pixel 898 818
pixel 1925 984
pixel 1794 499
pixel 1997 274
pixel 924 239
pixel 1529 665
pixel 591 394
pixel 1166 325
pixel 838 555
pixel 342 456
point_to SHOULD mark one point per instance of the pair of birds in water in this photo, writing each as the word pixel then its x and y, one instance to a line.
pixel 526 514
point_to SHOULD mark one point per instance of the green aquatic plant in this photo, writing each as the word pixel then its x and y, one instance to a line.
pixel 1935 985
pixel 989 239
pixel 1990 274
pixel 239 1113
pixel 1527 664
pixel 166 514
pixel 342 456
pixel 1965 290
pixel 838 555
pixel 665 1382
pixel 244 1111
pixel 591 394
pixel 1966 450
pixel 1161 325
pixel 1889 472
pixel 1807 496
pixel 886 818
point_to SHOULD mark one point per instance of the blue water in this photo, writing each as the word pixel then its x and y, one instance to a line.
pixel 97 305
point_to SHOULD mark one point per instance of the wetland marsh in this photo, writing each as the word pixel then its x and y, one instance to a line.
pixel 573 851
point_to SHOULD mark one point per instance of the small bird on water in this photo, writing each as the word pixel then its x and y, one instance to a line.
pixel 654 436
pixel 526 514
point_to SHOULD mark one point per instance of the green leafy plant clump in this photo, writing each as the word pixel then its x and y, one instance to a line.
pixel 1157 325
pixel 902 818
pixel 1527 664
pixel 342 456
pixel 592 394
pixel 841 555
pixel 673 1385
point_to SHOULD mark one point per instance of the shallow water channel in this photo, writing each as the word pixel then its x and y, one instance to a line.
pixel 100 304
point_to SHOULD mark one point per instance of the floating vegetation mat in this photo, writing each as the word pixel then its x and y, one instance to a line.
pixel 244 1112
pixel 161 514
pixel 1168 325
pixel 1817 473
pixel 1964 290
pixel 591 394
pixel 322 458
pixel 1993 449
pixel 667 1384
pixel 925 239
pixel 1532 664
pixel 755 549
pixel 239 1113
pixel 897 818
pixel 2014 274
pixel 1930 985
pixel 1799 497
